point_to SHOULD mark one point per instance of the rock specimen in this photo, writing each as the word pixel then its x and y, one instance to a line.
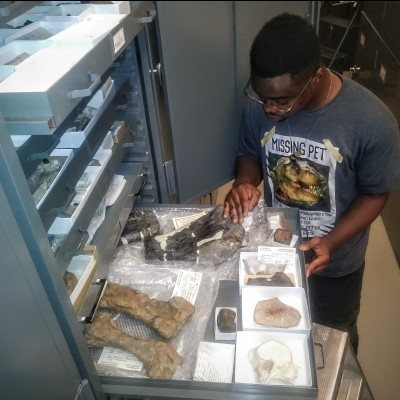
pixel 160 359
pixel 278 279
pixel 166 317
pixel 226 320
pixel 70 281
pixel 255 267
pixel 274 313
pixel 283 236
pixel 139 225
pixel 218 251
pixel 273 362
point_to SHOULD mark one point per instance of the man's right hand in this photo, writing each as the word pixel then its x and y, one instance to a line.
pixel 241 199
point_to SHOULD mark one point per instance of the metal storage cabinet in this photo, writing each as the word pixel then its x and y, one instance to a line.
pixel 376 65
pixel 202 56
pixel 44 352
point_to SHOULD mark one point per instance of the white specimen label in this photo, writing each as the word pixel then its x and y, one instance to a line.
pixel 118 40
pixel 120 359
pixel 214 362
pixel 180 222
pixel 277 256
pixel 187 285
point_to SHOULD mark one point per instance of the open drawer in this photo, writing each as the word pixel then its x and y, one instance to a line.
pixel 13 55
pixel 75 135
pixel 86 186
pixel 79 274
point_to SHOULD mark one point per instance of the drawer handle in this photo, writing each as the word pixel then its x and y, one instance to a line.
pixel 151 14
pixel 319 345
pixel 84 239
pixel 101 284
pixel 79 93
pixel 142 186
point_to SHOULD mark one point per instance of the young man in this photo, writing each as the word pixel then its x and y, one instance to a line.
pixel 321 143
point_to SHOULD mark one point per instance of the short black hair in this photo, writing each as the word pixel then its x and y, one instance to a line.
pixel 285 44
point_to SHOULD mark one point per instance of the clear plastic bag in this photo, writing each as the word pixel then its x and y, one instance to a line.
pixel 159 283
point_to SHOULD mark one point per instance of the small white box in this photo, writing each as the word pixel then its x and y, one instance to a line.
pixel 83 266
pixel 118 131
pixel 294 297
pixel 69 12
pixel 108 142
pixel 219 335
pixel 293 272
pixel 101 99
pixel 296 342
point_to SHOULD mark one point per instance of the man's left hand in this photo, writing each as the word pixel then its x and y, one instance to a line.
pixel 321 254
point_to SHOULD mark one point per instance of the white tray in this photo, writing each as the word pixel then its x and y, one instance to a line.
pixel 293 273
pixel 117 7
pixel 62 225
pixel 294 297
pixel 56 153
pixel 88 32
pixel 299 347
pixel 37 30
pixel 19 48
pixel 83 267
pixel 69 12
pixel 21 20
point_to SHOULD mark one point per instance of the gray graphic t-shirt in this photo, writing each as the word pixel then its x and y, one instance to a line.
pixel 352 147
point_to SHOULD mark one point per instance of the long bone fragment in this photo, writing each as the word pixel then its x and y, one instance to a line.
pixel 160 359
pixel 182 244
pixel 166 317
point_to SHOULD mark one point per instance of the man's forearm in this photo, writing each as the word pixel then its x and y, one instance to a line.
pixel 364 210
pixel 247 171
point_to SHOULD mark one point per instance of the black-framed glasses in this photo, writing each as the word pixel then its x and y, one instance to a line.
pixel 253 95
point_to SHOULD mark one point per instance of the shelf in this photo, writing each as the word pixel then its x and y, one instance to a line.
pixel 107 236
pixel 341 22
pixel 328 53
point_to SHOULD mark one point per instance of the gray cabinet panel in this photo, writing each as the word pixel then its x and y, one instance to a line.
pixel 198 62
pixel 35 355
pixel 204 48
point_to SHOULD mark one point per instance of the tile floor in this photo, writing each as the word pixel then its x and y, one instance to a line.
pixel 379 320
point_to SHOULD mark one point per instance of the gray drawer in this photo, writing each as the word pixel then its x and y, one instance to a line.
pixel 35 100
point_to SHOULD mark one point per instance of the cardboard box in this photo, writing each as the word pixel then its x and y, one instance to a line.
pixel 118 131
